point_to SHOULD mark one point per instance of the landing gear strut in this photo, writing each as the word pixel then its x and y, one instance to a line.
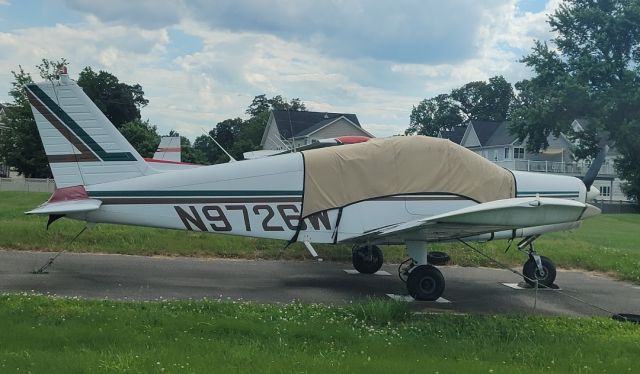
pixel 367 259
pixel 424 281
pixel 537 268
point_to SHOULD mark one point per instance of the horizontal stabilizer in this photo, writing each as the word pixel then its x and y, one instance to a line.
pixel 67 207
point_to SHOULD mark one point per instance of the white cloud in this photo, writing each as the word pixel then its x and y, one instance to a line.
pixel 416 31
pixel 217 80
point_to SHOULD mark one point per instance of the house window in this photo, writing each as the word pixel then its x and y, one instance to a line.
pixel 506 153
pixel 605 191
pixel 518 153
pixel 495 155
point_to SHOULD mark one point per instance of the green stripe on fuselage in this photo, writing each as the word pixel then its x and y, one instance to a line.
pixel 547 192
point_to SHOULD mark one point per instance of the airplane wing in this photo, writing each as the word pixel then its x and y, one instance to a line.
pixel 499 215
pixel 67 207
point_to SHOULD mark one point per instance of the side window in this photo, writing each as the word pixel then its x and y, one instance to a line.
pixel 605 191
pixel 506 153
pixel 518 153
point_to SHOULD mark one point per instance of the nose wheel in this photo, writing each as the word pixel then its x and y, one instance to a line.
pixel 544 272
pixel 538 269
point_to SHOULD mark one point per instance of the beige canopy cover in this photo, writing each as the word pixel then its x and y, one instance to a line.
pixel 338 176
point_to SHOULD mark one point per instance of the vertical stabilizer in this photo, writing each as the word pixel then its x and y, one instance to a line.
pixel 169 149
pixel 82 145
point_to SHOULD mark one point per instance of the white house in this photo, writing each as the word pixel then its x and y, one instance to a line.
pixel 290 129
pixel 494 141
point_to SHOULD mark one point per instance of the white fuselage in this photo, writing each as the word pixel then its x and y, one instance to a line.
pixel 263 198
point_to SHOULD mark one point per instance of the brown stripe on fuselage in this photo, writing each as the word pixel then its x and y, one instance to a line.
pixel 85 154
pixel 197 200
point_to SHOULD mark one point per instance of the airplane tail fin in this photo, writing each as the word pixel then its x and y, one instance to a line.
pixel 169 149
pixel 82 145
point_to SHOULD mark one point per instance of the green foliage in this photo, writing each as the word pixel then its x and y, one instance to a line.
pixel 433 115
pixel 485 101
pixel 49 334
pixel 482 101
pixel 120 102
pixel 20 144
pixel 261 104
pixel 238 136
pixel 50 69
pixel 142 136
pixel 591 71
pixel 190 154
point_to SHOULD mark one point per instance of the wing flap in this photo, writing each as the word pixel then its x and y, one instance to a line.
pixel 67 207
pixel 488 217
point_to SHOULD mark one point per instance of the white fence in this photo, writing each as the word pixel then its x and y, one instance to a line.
pixel 27 184
pixel 552 167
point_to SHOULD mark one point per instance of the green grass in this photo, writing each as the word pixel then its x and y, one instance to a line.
pixel 43 334
pixel 608 243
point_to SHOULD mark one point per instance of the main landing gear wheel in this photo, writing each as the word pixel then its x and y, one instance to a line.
pixel 425 283
pixel 545 276
pixel 367 259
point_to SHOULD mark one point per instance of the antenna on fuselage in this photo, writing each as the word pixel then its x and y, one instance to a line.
pixel 592 172
pixel 293 139
pixel 231 159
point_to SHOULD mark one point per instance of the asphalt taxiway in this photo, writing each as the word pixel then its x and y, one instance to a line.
pixel 468 290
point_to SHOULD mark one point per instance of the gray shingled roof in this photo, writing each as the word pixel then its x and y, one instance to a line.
pixel 501 136
pixel 484 130
pixel 454 135
pixel 303 123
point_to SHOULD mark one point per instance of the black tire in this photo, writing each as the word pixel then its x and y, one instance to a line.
pixel 425 283
pixel 438 258
pixel 531 272
pixel 367 260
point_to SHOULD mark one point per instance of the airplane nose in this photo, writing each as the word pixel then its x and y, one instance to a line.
pixel 593 193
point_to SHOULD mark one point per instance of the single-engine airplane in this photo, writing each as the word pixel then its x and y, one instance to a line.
pixel 401 190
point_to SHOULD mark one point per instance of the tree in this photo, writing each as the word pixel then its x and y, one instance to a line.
pixel 479 101
pixel 142 136
pixel 261 104
pixel 50 69
pixel 190 154
pixel 20 145
pixel 433 115
pixel 589 71
pixel 227 134
pixel 238 136
pixel 485 101
pixel 120 102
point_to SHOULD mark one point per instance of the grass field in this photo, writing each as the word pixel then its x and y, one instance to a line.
pixel 43 334
pixel 608 243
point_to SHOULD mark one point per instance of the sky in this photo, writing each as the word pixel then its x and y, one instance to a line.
pixel 201 62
